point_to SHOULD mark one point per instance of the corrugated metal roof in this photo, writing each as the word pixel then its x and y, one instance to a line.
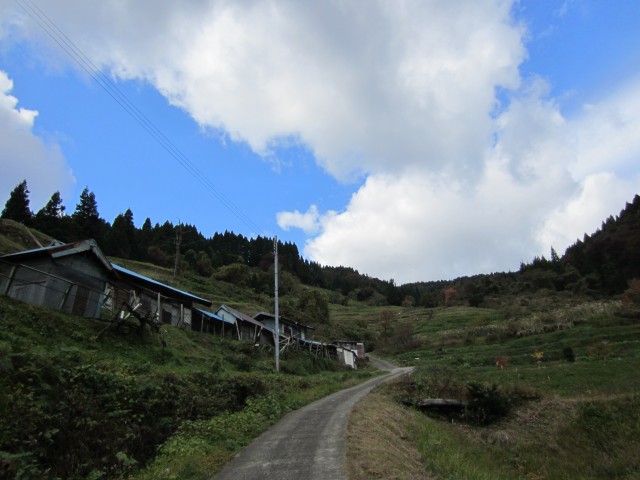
pixel 65 249
pixel 213 315
pixel 148 280
pixel 282 319
pixel 60 250
pixel 241 316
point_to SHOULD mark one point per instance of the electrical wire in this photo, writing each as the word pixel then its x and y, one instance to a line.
pixel 85 63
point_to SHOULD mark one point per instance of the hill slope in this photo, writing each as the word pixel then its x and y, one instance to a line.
pixel 76 404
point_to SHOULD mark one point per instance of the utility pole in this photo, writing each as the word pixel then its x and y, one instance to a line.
pixel 178 241
pixel 276 333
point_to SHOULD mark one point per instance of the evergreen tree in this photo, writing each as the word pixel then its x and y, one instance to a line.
pixel 87 208
pixel 17 207
pixel 144 237
pixel 51 219
pixel 120 240
pixel 86 217
pixel 54 207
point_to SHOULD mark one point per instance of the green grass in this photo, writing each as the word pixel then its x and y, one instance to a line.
pixel 450 455
pixel 15 237
pixel 569 419
pixel 74 406
pixel 201 448
pixel 590 440
pixel 218 292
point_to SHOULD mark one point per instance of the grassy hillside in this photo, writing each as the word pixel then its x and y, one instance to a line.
pixel 14 237
pixel 564 404
pixel 75 406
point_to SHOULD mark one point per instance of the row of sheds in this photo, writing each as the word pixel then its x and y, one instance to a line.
pixel 78 278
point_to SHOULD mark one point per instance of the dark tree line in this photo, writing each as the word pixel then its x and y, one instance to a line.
pixel 604 263
pixel 601 264
pixel 159 243
pixel 610 257
pixel 84 222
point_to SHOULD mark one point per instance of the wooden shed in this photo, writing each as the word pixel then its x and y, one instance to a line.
pixel 354 345
pixel 169 304
pixel 78 278
pixel 208 322
pixel 70 277
pixel 347 356
pixel 247 328
pixel 289 328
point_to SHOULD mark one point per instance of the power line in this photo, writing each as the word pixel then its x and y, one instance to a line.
pixel 85 63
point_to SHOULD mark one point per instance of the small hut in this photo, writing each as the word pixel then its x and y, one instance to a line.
pixel 288 327
pixel 247 328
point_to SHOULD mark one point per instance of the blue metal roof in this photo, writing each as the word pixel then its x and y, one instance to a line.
pixel 91 245
pixel 243 317
pixel 154 282
pixel 26 252
pixel 214 316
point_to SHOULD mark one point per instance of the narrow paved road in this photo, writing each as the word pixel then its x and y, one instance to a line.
pixel 308 444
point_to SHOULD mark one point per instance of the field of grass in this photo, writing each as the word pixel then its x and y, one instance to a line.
pixel 568 384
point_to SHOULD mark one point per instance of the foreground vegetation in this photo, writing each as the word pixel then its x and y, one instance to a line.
pixel 551 391
pixel 77 407
pixel 544 358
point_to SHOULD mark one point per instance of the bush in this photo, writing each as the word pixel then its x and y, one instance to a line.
pixel 486 404
pixel 567 353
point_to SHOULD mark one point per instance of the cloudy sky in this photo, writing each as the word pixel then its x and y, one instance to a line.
pixel 413 140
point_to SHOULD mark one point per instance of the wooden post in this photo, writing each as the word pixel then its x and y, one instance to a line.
pixel 65 296
pixel 10 281
pixel 276 335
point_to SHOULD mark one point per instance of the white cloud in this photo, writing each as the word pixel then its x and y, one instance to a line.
pixel 309 222
pixel 603 156
pixel 607 134
pixel 402 92
pixel 368 90
pixel 427 227
pixel 601 195
pixel 23 155
pixel 546 182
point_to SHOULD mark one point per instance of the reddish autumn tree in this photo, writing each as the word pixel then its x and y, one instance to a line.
pixel 631 296
pixel 449 296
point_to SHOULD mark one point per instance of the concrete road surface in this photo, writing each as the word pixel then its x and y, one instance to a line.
pixel 308 444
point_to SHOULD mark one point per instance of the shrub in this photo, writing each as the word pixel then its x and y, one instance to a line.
pixel 486 404
pixel 567 353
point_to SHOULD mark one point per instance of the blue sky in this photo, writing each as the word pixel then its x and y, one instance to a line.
pixel 413 141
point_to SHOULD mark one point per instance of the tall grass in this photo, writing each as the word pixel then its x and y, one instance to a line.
pixel 572 369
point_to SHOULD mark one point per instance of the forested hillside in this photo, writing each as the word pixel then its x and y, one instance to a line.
pixel 602 263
